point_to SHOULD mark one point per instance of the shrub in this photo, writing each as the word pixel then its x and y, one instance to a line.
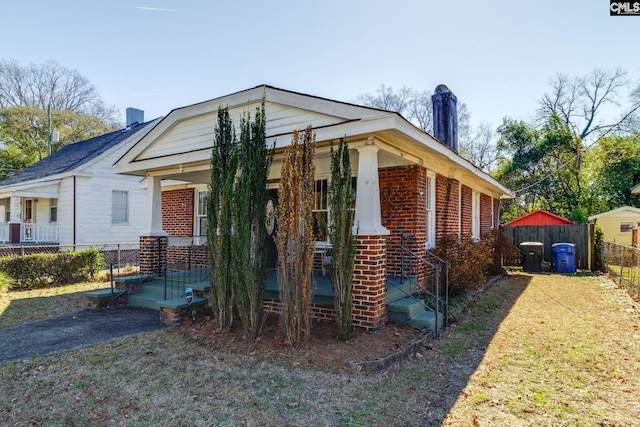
pixel 40 270
pixel 598 241
pixel 469 261
pixel 504 251
pixel 5 283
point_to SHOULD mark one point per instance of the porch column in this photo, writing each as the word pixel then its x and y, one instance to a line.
pixel 367 219
pixel 15 210
pixel 153 212
pixel 153 239
pixel 369 276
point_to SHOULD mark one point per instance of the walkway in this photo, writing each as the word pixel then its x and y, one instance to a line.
pixel 75 330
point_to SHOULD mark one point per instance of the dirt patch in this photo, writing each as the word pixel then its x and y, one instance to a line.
pixel 323 350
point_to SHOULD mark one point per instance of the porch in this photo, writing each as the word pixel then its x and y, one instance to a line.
pixel 29 233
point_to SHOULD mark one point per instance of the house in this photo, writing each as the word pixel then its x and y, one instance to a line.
pixel 618 224
pixel 74 197
pixel 408 183
pixel 539 217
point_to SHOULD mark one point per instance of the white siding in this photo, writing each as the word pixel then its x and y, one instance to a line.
pixel 197 133
pixel 93 204
pixel 65 212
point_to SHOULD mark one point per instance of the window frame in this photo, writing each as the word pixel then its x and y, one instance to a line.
pixel 319 209
pixel 53 210
pixel 201 204
pixel 475 215
pixel 118 210
pixel 631 225
pixel 430 211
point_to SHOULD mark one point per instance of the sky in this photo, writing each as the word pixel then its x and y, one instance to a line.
pixel 156 55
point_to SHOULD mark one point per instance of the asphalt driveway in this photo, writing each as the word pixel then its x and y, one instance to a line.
pixel 75 330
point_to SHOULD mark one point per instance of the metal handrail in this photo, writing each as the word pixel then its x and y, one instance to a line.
pixel 184 271
pixel 129 260
pixel 427 264
pixel 443 262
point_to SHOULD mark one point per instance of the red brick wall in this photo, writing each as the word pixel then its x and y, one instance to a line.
pixel 177 212
pixel 485 215
pixel 447 202
pixel 322 312
pixel 153 252
pixel 403 211
pixel 466 200
pixel 369 308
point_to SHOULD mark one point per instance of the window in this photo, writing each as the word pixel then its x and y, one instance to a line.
pixel 626 226
pixel 119 207
pixel 53 210
pixel 201 212
pixel 430 202
pixel 475 215
pixel 320 211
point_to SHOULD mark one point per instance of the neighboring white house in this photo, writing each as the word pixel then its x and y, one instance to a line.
pixel 74 196
pixel 618 224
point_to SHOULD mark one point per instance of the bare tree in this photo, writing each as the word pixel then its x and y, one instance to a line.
pixel 417 107
pixel 51 84
pixel 580 102
pixel 480 149
pixel 386 99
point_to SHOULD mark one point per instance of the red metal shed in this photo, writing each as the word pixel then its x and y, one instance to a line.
pixel 539 217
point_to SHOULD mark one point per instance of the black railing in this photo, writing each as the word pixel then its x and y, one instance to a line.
pixel 124 265
pixel 429 292
pixel 444 268
pixel 192 268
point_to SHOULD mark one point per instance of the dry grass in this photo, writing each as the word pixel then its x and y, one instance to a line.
pixel 568 353
pixel 25 306
pixel 534 350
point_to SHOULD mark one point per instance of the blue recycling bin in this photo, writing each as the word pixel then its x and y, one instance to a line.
pixel 565 257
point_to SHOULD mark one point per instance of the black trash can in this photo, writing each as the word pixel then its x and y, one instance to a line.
pixel 564 255
pixel 532 256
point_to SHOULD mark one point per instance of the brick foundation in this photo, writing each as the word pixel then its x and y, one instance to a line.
pixel 369 308
pixel 320 312
pixel 153 254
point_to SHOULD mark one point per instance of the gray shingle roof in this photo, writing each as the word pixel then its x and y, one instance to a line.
pixel 73 155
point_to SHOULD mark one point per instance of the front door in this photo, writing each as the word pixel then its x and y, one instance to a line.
pixel 28 219
pixel 271 226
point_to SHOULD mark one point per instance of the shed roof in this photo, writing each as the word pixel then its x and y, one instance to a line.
pixel 539 217
pixel 621 211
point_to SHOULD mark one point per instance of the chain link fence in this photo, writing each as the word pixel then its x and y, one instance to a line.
pixel 622 262
pixel 114 253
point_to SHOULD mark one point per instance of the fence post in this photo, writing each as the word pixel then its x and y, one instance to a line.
pixel 621 265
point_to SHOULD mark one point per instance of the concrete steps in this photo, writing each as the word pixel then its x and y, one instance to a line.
pixel 152 295
pixel 410 311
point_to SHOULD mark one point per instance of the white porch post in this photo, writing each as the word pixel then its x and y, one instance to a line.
pixel 15 210
pixel 15 218
pixel 153 239
pixel 153 212
pixel 369 272
pixel 367 219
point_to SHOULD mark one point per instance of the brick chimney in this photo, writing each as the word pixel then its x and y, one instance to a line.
pixel 445 117
pixel 134 116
